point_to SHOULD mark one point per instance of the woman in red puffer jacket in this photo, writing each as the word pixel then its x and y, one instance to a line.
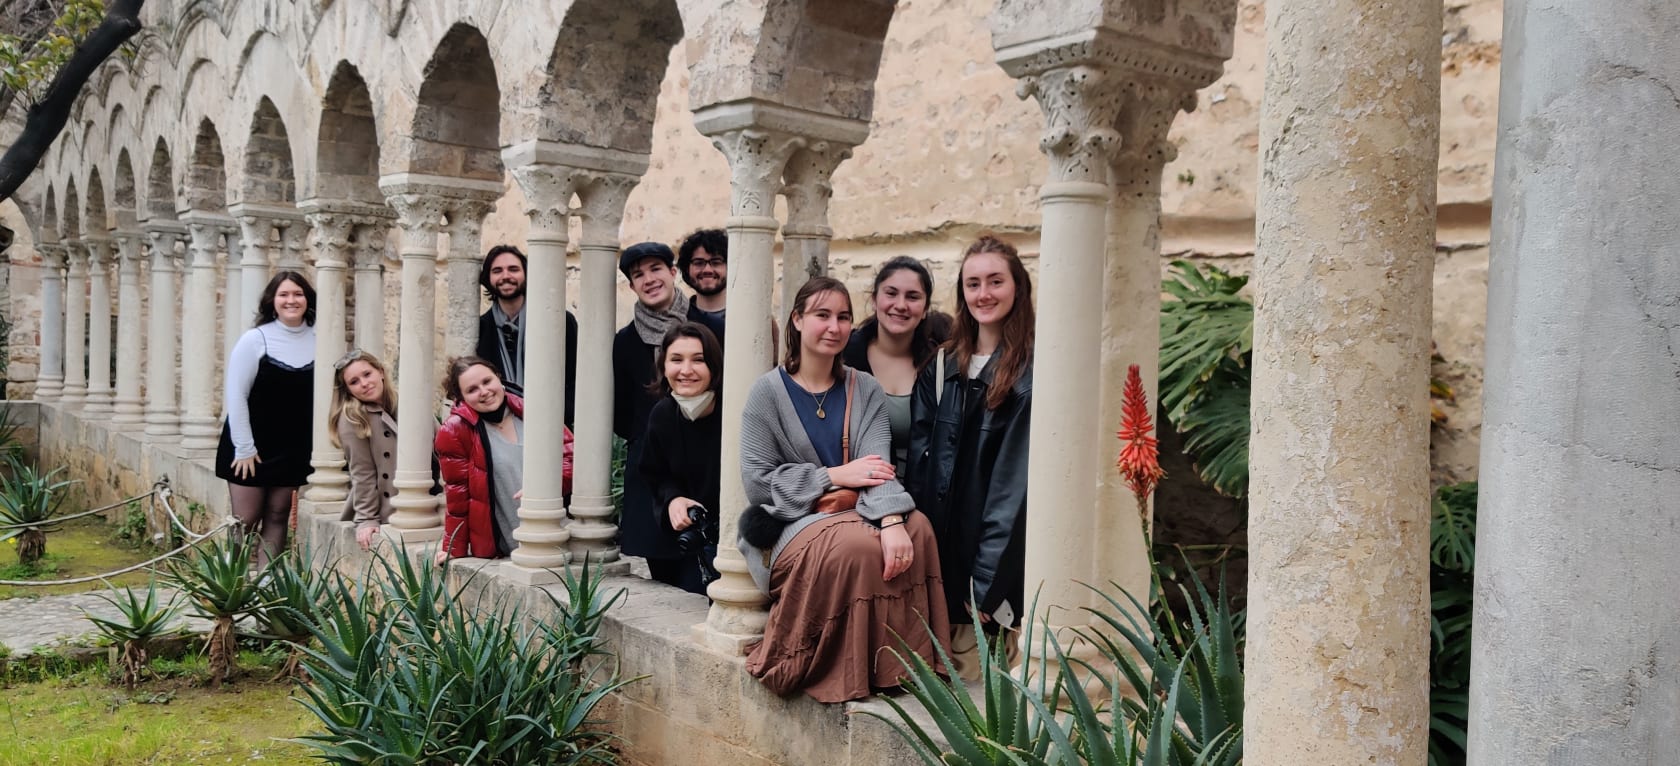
pixel 481 455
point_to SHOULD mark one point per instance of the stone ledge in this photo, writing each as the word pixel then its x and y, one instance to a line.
pixel 114 464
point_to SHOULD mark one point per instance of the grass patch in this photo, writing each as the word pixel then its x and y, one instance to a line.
pixel 78 549
pixel 82 719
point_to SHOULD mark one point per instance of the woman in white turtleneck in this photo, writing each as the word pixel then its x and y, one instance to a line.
pixel 680 458
pixel 268 400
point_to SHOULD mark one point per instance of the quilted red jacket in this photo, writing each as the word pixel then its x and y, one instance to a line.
pixel 468 523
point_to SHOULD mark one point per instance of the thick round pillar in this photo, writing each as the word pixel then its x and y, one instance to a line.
pixel 75 324
pixel 541 536
pixel 328 483
pixel 99 326
pixel 1065 459
pixel 163 415
pixel 127 407
pixel 1576 655
pixel 50 385
pixel 200 428
pixel 462 266
pixel 255 232
pixel 1338 608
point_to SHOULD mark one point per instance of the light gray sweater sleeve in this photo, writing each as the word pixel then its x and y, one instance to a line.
pixel 772 478
pixel 236 390
pixel 876 432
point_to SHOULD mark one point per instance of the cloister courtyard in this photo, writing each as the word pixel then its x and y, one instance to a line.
pixel 1494 186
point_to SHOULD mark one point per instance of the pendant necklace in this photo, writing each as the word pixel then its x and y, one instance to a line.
pixel 821 415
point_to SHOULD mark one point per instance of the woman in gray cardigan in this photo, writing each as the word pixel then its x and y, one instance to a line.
pixel 363 423
pixel 855 567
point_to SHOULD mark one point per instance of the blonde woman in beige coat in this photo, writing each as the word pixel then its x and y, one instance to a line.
pixel 363 423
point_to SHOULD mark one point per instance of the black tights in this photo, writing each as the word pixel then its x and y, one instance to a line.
pixel 266 511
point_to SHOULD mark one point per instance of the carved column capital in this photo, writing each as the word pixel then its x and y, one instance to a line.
pixel 370 244
pixel 421 217
pixel 757 158
pixel 808 184
pixel 1080 104
pixel 602 207
pixel 100 250
pixel 128 246
pixel 163 241
pixel 331 239
pixel 548 190
pixel 52 255
pixel 76 258
pixel 294 243
pixel 466 223
pixel 205 239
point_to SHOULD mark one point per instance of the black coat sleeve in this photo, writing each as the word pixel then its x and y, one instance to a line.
pixel 572 364
pixel 923 412
pixel 998 549
pixel 660 467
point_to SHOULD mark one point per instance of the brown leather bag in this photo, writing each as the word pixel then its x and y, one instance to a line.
pixel 842 500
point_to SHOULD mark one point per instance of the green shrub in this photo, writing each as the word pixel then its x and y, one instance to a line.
pixel 28 502
pixel 217 582
pixel 405 674
pixel 291 595
pixel 1452 558
pixel 139 622
pixel 1207 345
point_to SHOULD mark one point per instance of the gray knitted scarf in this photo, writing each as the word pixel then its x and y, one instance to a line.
pixel 652 325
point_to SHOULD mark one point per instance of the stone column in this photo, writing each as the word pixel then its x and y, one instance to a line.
pixel 51 384
pixel 163 415
pixel 1338 622
pixel 200 428
pixel 370 289
pixel 466 220
pixel 75 323
pixel 542 536
pixel 420 210
pixel 255 231
pixel 805 239
pixel 127 410
pixel 594 528
pixel 236 315
pixel 293 245
pixel 99 325
pixel 758 156
pixel 328 484
pixel 1576 655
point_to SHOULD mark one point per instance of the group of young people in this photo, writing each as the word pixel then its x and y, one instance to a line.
pixel 884 461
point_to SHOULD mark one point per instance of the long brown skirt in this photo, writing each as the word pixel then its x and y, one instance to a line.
pixel 833 619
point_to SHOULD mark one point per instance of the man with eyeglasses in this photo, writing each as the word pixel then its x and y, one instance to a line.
pixel 501 330
pixel 703 262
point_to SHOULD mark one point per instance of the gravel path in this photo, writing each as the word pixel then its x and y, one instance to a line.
pixel 29 624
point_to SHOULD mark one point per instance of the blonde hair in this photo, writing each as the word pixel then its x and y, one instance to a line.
pixel 345 405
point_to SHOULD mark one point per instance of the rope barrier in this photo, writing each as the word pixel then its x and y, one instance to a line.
pixel 72 517
pixel 160 493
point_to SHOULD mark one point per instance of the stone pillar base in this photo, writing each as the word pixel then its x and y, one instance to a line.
pixel 403 537
pixel 727 644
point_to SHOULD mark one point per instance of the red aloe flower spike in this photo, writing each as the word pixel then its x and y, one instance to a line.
pixel 1139 461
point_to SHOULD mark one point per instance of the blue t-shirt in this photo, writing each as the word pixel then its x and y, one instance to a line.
pixel 826 432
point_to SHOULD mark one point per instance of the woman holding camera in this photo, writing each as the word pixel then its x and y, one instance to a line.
pixel 680 453
pixel 851 568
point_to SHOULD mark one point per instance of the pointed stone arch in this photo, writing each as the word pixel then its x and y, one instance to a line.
pixel 604 73
pixel 160 184
pixel 348 155
pixel 71 228
pixel 124 199
pixel 96 220
pixel 457 118
pixel 206 182
pixel 269 176
pixel 49 217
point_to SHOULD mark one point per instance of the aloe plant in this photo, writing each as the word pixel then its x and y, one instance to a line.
pixel 220 587
pixel 28 502
pixel 139 622
pixel 404 673
pixel 290 596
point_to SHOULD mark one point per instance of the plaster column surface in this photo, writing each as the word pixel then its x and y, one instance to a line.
pixel 466 223
pixel 99 325
pixel 328 483
pixel 370 290
pixel 163 416
pixel 127 410
pixel 757 158
pixel 75 324
pixel 414 514
pixel 1338 625
pixel 199 426
pixel 51 385
pixel 254 235
pixel 541 536
pixel 808 186
pixel 1576 656
pixel 594 528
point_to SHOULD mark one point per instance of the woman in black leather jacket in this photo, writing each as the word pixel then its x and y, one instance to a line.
pixel 968 438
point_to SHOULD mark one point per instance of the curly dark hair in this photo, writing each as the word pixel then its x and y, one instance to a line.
pixel 715 241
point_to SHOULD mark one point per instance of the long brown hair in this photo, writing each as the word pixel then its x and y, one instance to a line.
pixel 1015 348
pixel 345 405
pixel 812 288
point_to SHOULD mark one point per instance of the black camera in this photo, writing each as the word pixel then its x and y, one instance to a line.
pixel 699 533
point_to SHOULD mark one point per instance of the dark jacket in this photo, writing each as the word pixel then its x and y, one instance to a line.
pixel 936 328
pixel 469 527
pixel 681 458
pixel 968 473
pixel 487 349
pixel 638 532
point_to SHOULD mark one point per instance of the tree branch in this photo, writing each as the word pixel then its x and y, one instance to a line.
pixel 47 118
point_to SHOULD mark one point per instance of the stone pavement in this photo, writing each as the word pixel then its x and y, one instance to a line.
pixel 30 624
